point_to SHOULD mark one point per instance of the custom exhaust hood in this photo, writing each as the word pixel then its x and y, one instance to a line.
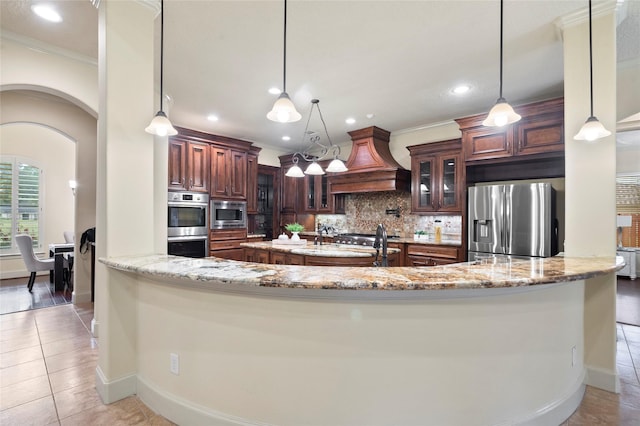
pixel 371 166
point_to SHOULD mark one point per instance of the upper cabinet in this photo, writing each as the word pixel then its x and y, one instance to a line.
pixel 188 165
pixel 540 133
pixel 437 177
pixel 203 162
pixel 228 173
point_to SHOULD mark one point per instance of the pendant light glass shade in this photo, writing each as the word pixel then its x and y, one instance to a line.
pixel 294 171
pixel 592 129
pixel 160 124
pixel 283 110
pixel 501 114
pixel 314 169
pixel 336 166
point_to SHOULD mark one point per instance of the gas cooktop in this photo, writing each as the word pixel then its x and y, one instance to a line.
pixel 357 239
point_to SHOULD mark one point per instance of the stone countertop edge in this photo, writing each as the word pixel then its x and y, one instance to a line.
pixel 234 275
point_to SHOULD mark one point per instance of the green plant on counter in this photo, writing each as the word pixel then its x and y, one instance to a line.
pixel 420 233
pixel 294 227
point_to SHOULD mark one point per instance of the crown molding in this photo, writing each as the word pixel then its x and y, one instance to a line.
pixel 619 7
pixel 40 46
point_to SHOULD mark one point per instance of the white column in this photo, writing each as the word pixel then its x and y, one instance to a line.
pixel 126 183
pixel 590 179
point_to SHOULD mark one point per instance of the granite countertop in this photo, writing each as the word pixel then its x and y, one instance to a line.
pixel 256 235
pixel 211 271
pixel 324 250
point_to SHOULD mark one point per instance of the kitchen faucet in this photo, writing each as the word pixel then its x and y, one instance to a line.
pixel 325 228
pixel 381 239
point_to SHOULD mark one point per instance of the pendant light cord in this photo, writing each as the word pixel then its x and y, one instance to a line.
pixel 161 49
pixel 501 20
pixel 284 60
pixel 590 63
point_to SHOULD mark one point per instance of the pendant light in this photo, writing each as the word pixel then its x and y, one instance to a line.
pixel 160 125
pixel 501 114
pixel 283 109
pixel 336 165
pixel 592 129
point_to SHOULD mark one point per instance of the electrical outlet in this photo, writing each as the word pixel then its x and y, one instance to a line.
pixel 174 365
pixel 574 356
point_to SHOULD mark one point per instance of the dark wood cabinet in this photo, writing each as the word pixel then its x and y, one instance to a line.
pixel 288 188
pixel 252 180
pixel 432 255
pixel 437 177
pixel 279 258
pixel 188 165
pixel 316 196
pixel 228 173
pixel 540 133
pixel 256 255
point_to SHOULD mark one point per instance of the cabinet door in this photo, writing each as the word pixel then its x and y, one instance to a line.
pixel 289 194
pixel 252 184
pixel 309 197
pixel 219 172
pixel 237 179
pixel 540 135
pixel 177 165
pixel 423 188
pixel 449 183
pixel 198 167
pixel 325 199
pixel 486 143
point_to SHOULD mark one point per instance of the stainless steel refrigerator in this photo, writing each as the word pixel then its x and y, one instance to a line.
pixel 513 220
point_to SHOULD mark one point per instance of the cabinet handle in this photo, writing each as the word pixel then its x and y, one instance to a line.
pixel 182 181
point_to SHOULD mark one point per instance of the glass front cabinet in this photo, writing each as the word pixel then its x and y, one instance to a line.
pixel 437 177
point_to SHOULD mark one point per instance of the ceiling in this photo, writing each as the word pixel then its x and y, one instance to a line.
pixel 386 63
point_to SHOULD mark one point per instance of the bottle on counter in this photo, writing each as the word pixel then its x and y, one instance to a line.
pixel 438 231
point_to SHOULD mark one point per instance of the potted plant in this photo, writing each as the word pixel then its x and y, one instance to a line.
pixel 420 235
pixel 294 228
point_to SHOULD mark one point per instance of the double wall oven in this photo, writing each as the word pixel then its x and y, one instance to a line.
pixel 188 226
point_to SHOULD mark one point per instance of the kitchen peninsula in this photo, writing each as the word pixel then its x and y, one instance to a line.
pixel 488 343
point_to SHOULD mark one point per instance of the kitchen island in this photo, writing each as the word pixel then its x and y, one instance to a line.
pixel 490 343
pixel 327 254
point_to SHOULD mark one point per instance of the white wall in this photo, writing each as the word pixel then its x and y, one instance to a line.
pixel 56 155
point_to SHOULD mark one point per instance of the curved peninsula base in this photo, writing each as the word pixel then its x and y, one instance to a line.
pixel 481 358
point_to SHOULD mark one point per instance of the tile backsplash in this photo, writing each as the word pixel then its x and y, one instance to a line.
pixel 365 211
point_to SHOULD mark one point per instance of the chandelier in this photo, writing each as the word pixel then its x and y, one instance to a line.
pixel 322 150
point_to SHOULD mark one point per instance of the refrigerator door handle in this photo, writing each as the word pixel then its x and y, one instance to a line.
pixel 506 241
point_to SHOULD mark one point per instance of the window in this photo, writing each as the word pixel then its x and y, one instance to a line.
pixel 20 202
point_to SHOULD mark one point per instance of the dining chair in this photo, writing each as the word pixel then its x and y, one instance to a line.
pixel 69 237
pixel 33 264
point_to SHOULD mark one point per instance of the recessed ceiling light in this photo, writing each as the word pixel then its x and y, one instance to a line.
pixel 275 91
pixel 286 138
pixel 463 88
pixel 212 117
pixel 350 120
pixel 47 12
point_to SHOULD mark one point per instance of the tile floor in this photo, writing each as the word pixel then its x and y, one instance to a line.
pixel 47 374
pixel 15 297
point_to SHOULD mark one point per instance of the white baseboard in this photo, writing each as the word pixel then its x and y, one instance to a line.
pixel 184 412
pixel 603 379
pixel 115 390
pixel 94 327
pixel 557 411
